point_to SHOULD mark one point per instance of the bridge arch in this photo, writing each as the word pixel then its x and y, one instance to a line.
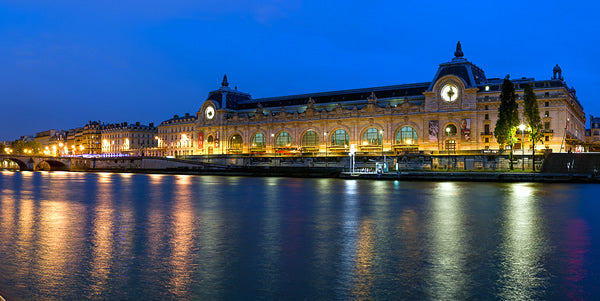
pixel 21 163
pixel 51 165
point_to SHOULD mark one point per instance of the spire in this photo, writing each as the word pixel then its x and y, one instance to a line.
pixel 458 52
pixel 225 83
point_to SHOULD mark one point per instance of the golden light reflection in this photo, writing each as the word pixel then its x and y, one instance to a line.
pixel 25 234
pixel 104 177
pixel 522 246
pixel 183 240
pixel 155 179
pixel 364 262
pixel 60 239
pixel 102 237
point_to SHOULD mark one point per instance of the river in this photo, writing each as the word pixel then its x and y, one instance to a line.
pixel 70 236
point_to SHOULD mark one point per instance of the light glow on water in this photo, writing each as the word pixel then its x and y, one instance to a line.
pixel 107 236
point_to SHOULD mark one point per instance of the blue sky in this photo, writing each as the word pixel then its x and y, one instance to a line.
pixel 64 63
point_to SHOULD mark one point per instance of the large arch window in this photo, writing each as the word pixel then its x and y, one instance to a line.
pixel 283 139
pixel 371 136
pixel 259 141
pixel 340 138
pixel 235 142
pixel 406 135
pixel 310 139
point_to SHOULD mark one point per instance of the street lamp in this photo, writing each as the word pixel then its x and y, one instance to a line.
pixel 522 128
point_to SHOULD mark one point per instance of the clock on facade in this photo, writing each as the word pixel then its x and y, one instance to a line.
pixel 210 112
pixel 449 93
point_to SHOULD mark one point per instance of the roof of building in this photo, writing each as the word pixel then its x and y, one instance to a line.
pixel 472 75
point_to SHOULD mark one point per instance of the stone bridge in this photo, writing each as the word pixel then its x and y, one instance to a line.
pixel 140 164
pixel 34 163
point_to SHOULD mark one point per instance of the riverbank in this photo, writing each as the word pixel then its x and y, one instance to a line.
pixel 475 176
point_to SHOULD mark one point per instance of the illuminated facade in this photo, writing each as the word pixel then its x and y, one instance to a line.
pixel 456 111
pixel 176 136
pixel 128 139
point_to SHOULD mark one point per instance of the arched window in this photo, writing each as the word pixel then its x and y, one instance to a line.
pixel 283 139
pixel 450 130
pixel 235 142
pixel 210 139
pixel 259 141
pixel 406 135
pixel 371 137
pixel 340 138
pixel 310 138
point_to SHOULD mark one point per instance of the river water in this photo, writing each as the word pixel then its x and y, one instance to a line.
pixel 134 236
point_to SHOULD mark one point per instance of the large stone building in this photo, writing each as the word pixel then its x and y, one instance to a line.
pixel 128 139
pixel 456 111
pixel 176 137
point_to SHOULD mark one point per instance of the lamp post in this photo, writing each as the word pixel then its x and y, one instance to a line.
pixel 522 128
pixel 325 137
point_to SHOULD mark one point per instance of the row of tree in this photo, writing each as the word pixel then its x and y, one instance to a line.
pixel 21 147
pixel 508 118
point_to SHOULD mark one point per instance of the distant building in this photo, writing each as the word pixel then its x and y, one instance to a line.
pixel 593 134
pixel 176 136
pixel 128 139
pixel 456 111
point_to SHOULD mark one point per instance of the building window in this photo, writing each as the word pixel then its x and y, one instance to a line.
pixel 547 114
pixel 450 130
pixel 371 137
pixel 310 138
pixel 283 139
pixel 547 94
pixel 547 104
pixel 547 138
pixel 235 142
pixel 487 116
pixel 406 135
pixel 486 130
pixel 546 125
pixel 340 138
pixel 450 145
pixel 259 141
pixel 487 140
pixel 486 107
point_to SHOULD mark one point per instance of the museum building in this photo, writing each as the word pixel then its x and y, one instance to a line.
pixel 456 111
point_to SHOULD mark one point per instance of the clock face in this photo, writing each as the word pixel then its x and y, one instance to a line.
pixel 210 112
pixel 449 93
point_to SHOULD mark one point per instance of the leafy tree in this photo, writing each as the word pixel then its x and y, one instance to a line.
pixel 532 115
pixel 34 146
pixel 508 117
pixel 17 146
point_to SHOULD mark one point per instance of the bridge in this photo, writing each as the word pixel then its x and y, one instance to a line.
pixel 48 163
pixel 35 163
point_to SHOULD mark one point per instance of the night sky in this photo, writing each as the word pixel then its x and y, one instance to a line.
pixel 64 63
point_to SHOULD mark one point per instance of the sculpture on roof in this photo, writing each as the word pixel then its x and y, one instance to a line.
pixel 458 52
pixel 225 83
pixel 556 70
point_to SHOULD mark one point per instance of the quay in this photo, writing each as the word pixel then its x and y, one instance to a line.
pixel 553 167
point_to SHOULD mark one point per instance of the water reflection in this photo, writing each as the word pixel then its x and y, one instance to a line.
pixel 183 238
pixel 523 275
pixel 102 237
pixel 110 236
pixel 448 245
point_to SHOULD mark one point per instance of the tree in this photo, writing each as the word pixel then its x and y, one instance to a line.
pixel 2 148
pixel 508 117
pixel 532 115
pixel 17 146
pixel 34 146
